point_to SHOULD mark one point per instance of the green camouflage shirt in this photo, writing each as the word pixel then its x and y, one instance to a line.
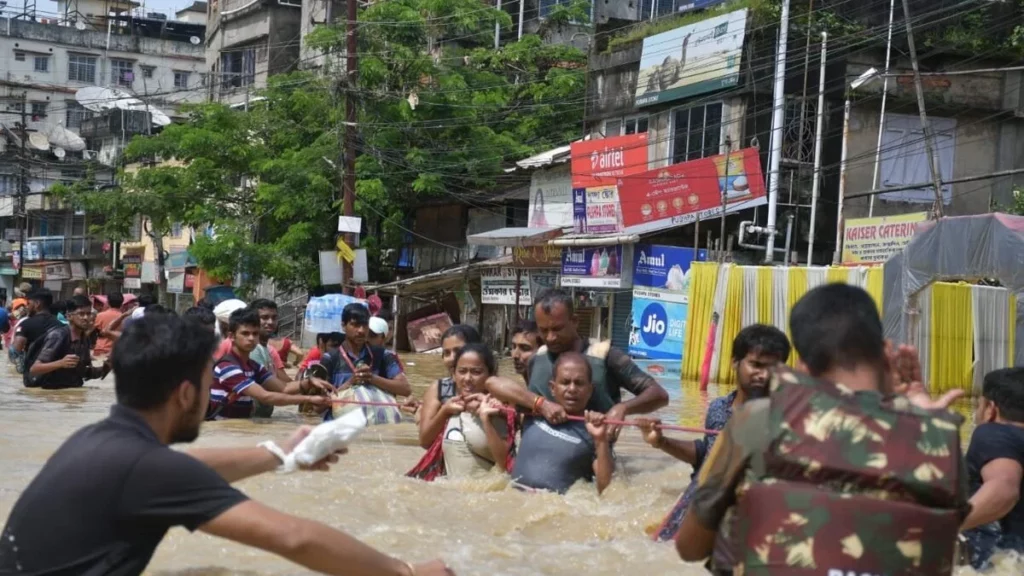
pixel 738 461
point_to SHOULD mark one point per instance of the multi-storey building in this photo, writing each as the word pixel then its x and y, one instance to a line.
pixel 49 137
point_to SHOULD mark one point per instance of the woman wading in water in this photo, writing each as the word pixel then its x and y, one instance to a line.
pixel 466 432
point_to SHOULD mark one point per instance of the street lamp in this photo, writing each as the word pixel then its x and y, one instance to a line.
pixel 859 81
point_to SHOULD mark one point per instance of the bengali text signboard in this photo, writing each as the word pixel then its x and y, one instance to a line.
pixel 596 210
pixel 874 240
pixel 498 286
pixel 683 193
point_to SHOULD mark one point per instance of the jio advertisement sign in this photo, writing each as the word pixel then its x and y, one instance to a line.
pixel 661 282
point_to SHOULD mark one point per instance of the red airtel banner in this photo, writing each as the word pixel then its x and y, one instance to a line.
pixel 689 191
pixel 602 162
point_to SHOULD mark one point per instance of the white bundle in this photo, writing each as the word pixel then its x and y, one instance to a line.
pixel 326 439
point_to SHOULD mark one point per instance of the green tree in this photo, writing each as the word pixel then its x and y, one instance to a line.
pixel 440 114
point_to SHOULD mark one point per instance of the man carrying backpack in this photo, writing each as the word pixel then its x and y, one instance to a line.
pixel 61 358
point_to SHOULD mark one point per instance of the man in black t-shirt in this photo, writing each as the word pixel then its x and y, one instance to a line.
pixel 995 468
pixel 103 502
pixel 40 320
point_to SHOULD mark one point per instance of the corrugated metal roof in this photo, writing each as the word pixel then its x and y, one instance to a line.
pixel 517 236
pixel 558 155
pixel 440 279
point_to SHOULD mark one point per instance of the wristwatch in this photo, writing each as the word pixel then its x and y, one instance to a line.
pixel 273 448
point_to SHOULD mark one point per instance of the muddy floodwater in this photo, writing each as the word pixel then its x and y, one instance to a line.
pixel 479 527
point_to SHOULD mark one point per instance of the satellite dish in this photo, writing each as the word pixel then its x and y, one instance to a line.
pixel 129 103
pixel 195 40
pixel 159 118
pixel 60 136
pixel 38 141
pixel 79 25
pixel 59 152
pixel 97 99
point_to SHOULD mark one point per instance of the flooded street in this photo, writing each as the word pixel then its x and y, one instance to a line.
pixel 478 527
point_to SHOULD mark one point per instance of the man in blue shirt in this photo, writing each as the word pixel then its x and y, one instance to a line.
pixel 364 374
pixel 755 351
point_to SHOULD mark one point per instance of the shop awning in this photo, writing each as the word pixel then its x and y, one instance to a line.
pixel 446 278
pixel 514 237
pixel 595 239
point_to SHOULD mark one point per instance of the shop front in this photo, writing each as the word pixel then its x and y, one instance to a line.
pixel 595 276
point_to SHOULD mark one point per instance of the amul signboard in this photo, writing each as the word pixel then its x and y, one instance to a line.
pixel 692 59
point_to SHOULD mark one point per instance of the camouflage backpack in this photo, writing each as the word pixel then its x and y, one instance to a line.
pixel 850 484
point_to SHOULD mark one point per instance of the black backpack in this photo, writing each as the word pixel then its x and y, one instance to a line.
pixel 32 353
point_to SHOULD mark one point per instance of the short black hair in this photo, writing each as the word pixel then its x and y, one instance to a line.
pixel 42 296
pixel 760 339
pixel 146 300
pixel 202 315
pixel 566 358
pixel 115 299
pixel 1005 389
pixel 153 309
pixel 60 307
pixel 837 326
pixel 355 312
pixel 528 327
pixel 483 352
pixel 243 317
pixel 552 297
pixel 464 332
pixel 77 303
pixel 263 304
pixel 205 303
pixel 155 355
pixel 335 338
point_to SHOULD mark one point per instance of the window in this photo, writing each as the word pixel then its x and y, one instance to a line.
pixel 147 71
pixel 654 9
pixel 82 68
pixel 19 56
pixel 905 158
pixel 42 63
pixel 181 79
pixel 176 230
pixel 625 126
pixel 75 114
pixel 18 107
pixel 696 132
pixel 121 73
pixel 238 68
pixel 38 110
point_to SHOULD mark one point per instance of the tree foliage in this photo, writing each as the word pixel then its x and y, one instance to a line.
pixel 440 114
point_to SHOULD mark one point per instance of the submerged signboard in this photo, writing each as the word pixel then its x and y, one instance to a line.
pixel 660 300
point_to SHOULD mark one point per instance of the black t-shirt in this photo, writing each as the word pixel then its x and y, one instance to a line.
pixel 105 499
pixel 37 325
pixel 990 442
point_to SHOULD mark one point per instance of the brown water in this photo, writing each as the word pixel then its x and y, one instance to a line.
pixel 478 527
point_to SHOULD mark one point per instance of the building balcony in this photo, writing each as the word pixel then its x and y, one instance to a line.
pixel 116 123
pixel 62 248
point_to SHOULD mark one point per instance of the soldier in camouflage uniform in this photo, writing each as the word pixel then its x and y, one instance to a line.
pixel 831 479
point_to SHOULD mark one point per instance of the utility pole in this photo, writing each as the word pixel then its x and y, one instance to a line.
pixel 929 142
pixel 21 209
pixel 349 152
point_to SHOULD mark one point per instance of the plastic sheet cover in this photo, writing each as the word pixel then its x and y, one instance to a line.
pixel 962 247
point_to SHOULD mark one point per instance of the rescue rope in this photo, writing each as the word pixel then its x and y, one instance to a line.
pixel 570 417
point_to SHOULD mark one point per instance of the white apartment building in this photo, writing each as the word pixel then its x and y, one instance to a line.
pixel 43 63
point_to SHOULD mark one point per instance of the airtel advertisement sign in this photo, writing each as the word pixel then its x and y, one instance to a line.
pixel 602 162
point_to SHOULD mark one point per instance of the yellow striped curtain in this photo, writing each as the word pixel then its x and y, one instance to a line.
pixel 730 325
pixel 837 275
pixel 876 276
pixel 703 282
pixel 797 289
pixel 952 345
pixel 764 295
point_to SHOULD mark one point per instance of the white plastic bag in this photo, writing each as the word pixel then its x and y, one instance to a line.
pixel 326 439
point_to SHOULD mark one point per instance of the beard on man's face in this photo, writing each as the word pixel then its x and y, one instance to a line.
pixel 189 424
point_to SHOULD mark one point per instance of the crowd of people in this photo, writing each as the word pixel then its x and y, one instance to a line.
pixel 845 465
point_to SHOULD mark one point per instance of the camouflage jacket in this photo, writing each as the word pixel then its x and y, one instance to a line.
pixel 820 480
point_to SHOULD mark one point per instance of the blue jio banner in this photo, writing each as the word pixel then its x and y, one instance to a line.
pixel 658 329
pixel 660 302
